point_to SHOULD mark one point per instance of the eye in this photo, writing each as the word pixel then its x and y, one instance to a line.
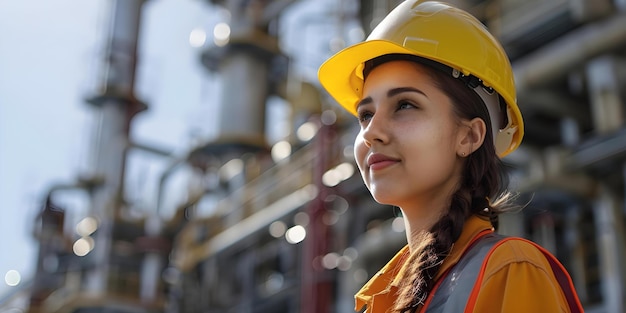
pixel 404 104
pixel 364 115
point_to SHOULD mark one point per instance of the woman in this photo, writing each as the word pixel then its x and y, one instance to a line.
pixel 434 95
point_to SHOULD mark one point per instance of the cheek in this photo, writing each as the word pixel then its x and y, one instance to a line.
pixel 360 151
pixel 440 134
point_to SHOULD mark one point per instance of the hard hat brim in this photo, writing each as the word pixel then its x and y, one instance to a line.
pixel 341 75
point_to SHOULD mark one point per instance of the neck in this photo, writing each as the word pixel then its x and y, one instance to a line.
pixel 417 223
pixel 420 216
pixel 422 212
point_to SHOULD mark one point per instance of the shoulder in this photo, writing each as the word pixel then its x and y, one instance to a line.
pixel 519 252
pixel 518 277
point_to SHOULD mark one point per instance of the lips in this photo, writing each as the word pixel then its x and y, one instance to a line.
pixel 378 161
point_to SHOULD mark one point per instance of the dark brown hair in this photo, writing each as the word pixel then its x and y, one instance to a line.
pixel 481 191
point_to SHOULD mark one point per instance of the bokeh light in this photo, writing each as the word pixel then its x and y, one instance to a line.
pixel 221 34
pixel 12 278
pixel 295 234
pixel 197 37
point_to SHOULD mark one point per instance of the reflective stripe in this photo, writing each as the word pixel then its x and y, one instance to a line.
pixel 455 289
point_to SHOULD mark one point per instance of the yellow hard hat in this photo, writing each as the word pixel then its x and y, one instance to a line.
pixel 439 32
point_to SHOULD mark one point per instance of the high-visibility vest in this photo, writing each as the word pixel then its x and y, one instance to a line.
pixel 458 289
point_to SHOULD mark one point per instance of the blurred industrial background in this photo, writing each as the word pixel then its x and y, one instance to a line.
pixel 258 207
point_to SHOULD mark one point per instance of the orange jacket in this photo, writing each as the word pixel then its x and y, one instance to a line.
pixel 517 278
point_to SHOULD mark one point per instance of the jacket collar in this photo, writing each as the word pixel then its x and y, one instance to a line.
pixel 384 284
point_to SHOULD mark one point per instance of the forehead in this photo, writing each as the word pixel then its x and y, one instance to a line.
pixel 397 73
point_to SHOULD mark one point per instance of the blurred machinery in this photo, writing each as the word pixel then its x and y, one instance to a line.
pixel 301 233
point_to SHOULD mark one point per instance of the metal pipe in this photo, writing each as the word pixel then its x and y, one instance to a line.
pixel 117 105
pixel 52 240
pixel 315 292
pixel 610 240
pixel 605 94
pixel 247 227
pixel 572 50
pixel 151 149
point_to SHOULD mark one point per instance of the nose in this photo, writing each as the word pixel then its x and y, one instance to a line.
pixel 376 131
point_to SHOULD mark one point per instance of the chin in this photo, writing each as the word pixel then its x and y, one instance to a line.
pixel 383 200
pixel 383 194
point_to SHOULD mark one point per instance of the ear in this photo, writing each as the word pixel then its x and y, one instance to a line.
pixel 471 136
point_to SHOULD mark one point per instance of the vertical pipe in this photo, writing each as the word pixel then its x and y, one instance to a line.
pixel 116 106
pixel 610 237
pixel 316 286
pixel 608 117
pixel 50 237
pixel 606 104
pixel 244 64
pixel 573 239
pixel 246 88
pixel 153 262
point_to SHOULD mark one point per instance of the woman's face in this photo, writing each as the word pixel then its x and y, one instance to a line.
pixel 407 147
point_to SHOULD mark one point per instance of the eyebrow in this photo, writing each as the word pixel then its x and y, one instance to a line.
pixel 391 93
